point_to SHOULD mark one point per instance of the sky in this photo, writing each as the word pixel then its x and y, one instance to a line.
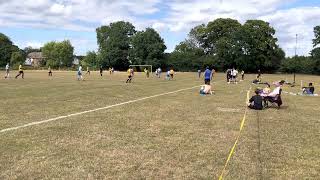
pixel 35 22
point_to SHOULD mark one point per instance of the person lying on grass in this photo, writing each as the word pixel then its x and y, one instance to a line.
pixel 257 80
pixel 205 89
pixel 256 101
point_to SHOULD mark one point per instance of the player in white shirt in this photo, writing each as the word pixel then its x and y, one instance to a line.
pixel 159 72
pixel 7 71
pixel 79 73
pixel 234 74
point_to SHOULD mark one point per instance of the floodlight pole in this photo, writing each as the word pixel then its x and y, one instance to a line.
pixel 295 56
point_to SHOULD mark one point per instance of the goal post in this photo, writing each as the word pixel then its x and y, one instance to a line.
pixel 141 67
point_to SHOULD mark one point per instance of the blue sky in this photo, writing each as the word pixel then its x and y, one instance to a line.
pixel 35 22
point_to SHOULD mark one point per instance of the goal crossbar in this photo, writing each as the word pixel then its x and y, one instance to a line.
pixel 142 66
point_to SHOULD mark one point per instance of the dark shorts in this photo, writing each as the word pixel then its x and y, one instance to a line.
pixel 207 81
pixel 79 73
pixel 20 72
pixel 130 76
pixel 171 75
pixel 253 107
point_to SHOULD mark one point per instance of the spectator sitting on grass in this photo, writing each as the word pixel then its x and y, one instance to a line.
pixel 265 91
pixel 256 101
pixel 308 90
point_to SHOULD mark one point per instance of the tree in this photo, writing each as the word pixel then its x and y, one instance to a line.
pixel 6 49
pixel 65 53
pixel 186 56
pixel 17 58
pixel 298 64
pixel 147 48
pixel 91 59
pixel 30 49
pixel 222 28
pixel 316 40
pixel 114 44
pixel 50 52
pixel 259 47
pixel 197 37
pixel 315 53
pixel 315 56
pixel 228 44
pixel 58 54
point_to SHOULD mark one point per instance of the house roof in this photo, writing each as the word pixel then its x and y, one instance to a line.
pixel 36 55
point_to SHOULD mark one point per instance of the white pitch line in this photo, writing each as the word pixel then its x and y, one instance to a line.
pixel 89 111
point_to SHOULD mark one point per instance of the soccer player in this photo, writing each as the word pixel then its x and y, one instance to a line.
pixel 168 75
pixel 171 73
pixel 101 70
pixel 79 73
pixel 49 71
pixel 20 72
pixel 228 75
pixel 234 74
pixel 146 71
pixel 213 71
pixel 159 72
pixel 259 74
pixel 207 76
pixel 199 73
pixel 242 75
pixel 7 71
pixel 88 71
pixel 130 75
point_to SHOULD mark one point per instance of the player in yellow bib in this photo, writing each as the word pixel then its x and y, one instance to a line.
pixel 20 72
pixel 88 71
pixel 171 73
pixel 130 75
pixel 49 71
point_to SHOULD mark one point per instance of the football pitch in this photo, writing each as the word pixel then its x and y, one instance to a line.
pixel 102 128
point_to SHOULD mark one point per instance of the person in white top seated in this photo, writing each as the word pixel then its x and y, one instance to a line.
pixel 277 90
pixel 205 89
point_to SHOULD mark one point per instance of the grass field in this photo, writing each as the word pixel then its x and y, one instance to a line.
pixel 175 136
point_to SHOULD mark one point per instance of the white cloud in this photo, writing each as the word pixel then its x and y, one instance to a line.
pixel 60 9
pixel 294 21
pixel 159 26
pixel 185 14
pixel 34 44
pixel 176 16
pixel 69 14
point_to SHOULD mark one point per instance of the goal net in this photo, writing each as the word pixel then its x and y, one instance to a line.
pixel 141 68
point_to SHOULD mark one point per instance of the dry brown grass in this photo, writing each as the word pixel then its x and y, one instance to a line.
pixel 177 136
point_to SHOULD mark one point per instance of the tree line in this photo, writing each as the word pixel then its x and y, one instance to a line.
pixel 223 43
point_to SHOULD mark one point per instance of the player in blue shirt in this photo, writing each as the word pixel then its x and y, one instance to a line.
pixel 207 76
